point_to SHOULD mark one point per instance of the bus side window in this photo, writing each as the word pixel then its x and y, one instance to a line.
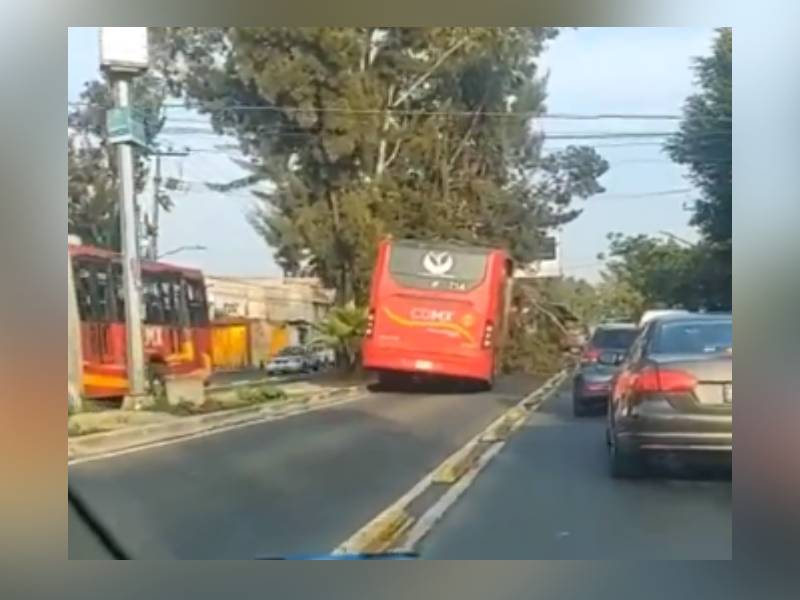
pixel 198 313
pixel 102 293
pixel 118 293
pixel 167 300
pixel 154 311
pixel 83 289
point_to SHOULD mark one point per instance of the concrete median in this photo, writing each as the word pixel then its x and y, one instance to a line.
pixel 399 526
pixel 99 445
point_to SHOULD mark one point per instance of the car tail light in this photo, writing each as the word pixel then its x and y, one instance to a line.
pixel 370 324
pixel 652 380
pixel 488 335
pixel 591 355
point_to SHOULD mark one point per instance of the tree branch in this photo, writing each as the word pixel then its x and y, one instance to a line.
pixel 468 133
pixel 393 155
pixel 426 75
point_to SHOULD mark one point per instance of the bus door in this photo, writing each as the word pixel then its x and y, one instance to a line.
pixel 175 317
pixel 94 290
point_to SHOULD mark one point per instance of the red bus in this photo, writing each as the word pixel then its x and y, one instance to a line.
pixel 177 337
pixel 438 309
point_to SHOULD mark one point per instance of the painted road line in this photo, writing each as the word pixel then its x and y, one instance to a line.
pixel 452 472
pixel 265 415
pixel 425 523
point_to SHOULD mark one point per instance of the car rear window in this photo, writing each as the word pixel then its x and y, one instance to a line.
pixel 438 268
pixel 693 337
pixel 614 338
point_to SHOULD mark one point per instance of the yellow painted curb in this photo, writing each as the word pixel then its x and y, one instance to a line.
pixel 455 467
pixel 382 533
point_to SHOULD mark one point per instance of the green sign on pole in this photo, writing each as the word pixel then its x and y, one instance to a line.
pixel 126 126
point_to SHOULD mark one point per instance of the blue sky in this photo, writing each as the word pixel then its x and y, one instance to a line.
pixel 592 70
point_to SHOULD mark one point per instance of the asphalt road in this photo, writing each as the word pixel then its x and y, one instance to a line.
pixel 293 487
pixel 548 496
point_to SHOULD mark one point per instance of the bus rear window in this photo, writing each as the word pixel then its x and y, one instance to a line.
pixel 443 269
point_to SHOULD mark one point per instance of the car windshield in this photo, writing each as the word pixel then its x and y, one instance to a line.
pixel 614 339
pixel 694 337
pixel 290 352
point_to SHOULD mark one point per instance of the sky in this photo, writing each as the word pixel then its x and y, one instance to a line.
pixel 591 70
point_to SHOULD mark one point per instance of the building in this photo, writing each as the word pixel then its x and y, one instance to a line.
pixel 255 317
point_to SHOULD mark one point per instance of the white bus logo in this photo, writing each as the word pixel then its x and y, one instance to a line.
pixel 438 263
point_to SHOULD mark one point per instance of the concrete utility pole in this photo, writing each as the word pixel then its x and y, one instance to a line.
pixel 131 275
pixel 74 361
pixel 124 54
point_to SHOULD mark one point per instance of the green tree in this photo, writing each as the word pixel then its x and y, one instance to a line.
pixel 368 132
pixel 657 272
pixel 343 329
pixel 92 197
pixel 704 145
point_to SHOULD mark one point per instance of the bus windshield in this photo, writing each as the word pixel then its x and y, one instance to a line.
pixel 441 268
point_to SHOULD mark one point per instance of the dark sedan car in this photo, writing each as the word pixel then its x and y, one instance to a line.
pixel 674 392
pixel 599 363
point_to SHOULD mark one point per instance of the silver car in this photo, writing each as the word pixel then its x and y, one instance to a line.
pixel 289 361
pixel 673 393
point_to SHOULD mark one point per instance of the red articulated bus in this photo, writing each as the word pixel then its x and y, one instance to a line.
pixel 438 309
pixel 177 336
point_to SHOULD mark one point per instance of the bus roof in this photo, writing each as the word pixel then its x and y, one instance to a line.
pixel 147 265
pixel 441 244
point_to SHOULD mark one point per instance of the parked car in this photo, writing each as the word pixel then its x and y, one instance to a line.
pixel 291 360
pixel 674 392
pixel 324 356
pixel 599 362
pixel 655 314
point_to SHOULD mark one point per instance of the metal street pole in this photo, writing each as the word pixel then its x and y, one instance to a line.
pixel 130 252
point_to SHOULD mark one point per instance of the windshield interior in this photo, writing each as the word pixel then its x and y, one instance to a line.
pixel 694 337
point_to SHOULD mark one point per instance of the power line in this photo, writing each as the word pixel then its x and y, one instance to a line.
pixel 674 192
pixel 413 112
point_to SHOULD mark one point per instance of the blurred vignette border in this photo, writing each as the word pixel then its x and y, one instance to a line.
pixel 45 481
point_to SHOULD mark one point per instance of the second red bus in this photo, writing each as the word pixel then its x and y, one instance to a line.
pixel 438 309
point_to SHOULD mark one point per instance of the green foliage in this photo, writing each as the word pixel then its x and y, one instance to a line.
pixel 343 329
pixel 704 144
pixel 376 131
pixel 537 332
pixel 260 394
pixel 92 197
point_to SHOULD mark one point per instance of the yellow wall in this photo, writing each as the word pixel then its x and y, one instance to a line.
pixel 280 339
pixel 229 346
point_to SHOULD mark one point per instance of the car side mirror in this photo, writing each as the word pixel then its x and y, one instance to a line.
pixel 611 359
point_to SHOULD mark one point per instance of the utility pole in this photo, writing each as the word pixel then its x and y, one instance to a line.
pixel 131 275
pixel 123 54
pixel 152 246
pixel 74 360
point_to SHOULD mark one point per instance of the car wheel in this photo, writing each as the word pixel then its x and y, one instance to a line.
pixel 625 464
pixel 578 409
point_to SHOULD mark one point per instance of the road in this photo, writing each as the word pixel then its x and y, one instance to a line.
pixel 548 496
pixel 293 487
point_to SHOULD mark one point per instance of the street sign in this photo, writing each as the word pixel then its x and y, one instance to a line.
pixel 124 49
pixel 126 126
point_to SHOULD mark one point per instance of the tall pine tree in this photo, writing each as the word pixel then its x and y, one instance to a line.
pixel 366 132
